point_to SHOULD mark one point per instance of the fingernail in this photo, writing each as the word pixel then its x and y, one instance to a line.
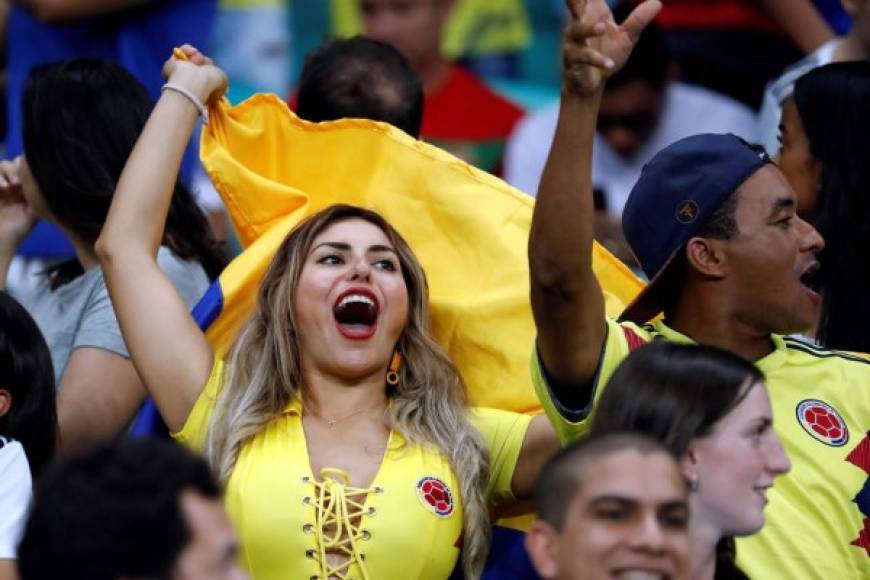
pixel 599 28
pixel 609 63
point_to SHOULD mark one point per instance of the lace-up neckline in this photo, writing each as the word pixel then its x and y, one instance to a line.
pixel 337 529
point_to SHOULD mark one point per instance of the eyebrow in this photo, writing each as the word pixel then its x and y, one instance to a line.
pixel 781 204
pixel 629 502
pixel 345 247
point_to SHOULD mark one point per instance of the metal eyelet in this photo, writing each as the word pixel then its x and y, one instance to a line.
pixel 372 511
pixel 379 490
pixel 310 554
pixel 308 528
pixel 306 500
pixel 366 535
pixel 305 479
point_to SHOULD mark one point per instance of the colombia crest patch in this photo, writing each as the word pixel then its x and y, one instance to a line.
pixel 435 496
pixel 822 422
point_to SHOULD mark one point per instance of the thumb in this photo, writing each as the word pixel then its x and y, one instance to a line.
pixel 640 17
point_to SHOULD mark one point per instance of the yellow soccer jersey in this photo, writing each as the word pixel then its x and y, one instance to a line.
pixel 818 518
pixel 407 524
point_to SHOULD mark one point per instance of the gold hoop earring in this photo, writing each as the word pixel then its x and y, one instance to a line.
pixel 393 373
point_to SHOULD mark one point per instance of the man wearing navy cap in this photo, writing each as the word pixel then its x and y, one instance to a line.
pixel 712 222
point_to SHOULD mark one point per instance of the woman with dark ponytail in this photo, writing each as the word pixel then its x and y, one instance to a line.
pixel 81 119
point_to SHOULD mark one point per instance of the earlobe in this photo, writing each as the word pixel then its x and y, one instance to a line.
pixel 706 257
pixel 689 465
pixel 542 547
pixel 5 401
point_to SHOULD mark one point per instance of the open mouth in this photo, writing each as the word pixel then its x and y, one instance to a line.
pixel 640 575
pixel 811 278
pixel 356 313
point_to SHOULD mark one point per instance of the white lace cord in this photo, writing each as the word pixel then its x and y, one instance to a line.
pixel 332 509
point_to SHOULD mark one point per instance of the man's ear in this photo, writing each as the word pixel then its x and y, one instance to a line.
pixel 5 401
pixel 707 257
pixel 689 463
pixel 542 544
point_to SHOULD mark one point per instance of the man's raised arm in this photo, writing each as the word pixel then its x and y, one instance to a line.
pixel 566 298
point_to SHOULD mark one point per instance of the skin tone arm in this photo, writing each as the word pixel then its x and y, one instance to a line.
pixel 539 445
pixel 100 391
pixel 566 298
pixel 801 22
pixel 7 570
pixel 60 10
pixel 166 346
pixel 98 397
pixel 16 217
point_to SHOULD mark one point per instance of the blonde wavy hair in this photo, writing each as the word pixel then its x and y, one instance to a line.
pixel 429 406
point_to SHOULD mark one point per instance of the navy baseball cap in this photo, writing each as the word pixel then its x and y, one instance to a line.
pixel 677 193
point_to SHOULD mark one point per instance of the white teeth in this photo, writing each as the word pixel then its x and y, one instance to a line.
pixel 356 298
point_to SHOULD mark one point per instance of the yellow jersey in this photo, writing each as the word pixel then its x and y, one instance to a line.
pixel 818 517
pixel 406 524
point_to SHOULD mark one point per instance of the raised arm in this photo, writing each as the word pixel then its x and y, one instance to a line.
pixel 166 346
pixel 566 298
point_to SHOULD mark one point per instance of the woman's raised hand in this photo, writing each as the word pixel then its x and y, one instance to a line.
pixel 196 73
pixel 16 215
pixel 595 47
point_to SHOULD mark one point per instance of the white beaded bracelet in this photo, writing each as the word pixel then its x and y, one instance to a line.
pixel 190 97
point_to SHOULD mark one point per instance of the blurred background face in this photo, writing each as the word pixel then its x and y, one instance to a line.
pixel 630 516
pixel 801 169
pixel 629 115
pixel 213 550
pixel 737 463
pixel 412 26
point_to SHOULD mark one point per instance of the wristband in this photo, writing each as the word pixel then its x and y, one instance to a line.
pixel 190 97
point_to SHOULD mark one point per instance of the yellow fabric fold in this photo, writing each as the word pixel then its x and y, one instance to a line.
pixel 468 228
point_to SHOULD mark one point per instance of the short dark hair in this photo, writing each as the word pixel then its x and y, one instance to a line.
pixel 563 475
pixel 113 511
pixel 27 373
pixel 364 79
pixel 673 392
pixel 649 59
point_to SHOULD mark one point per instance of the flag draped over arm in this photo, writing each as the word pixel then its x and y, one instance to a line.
pixel 469 230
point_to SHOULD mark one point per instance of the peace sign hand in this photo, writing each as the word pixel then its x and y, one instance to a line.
pixel 595 47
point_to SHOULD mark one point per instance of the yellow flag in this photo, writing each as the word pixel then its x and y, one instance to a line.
pixel 468 229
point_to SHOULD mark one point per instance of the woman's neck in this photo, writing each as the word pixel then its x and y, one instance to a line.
pixel 84 251
pixel 333 398
pixel 704 537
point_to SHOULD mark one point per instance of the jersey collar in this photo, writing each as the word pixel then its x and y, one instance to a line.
pixel 768 363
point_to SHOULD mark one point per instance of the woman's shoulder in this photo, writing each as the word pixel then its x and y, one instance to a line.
pixel 188 276
pixel 498 424
pixel 12 455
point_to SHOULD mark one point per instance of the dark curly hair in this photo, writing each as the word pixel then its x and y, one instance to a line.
pixel 361 78
pixel 113 512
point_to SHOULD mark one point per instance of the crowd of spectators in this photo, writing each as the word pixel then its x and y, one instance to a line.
pixel 690 194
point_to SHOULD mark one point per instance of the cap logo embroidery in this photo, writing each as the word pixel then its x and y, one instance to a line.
pixel 822 422
pixel 687 211
pixel 435 496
